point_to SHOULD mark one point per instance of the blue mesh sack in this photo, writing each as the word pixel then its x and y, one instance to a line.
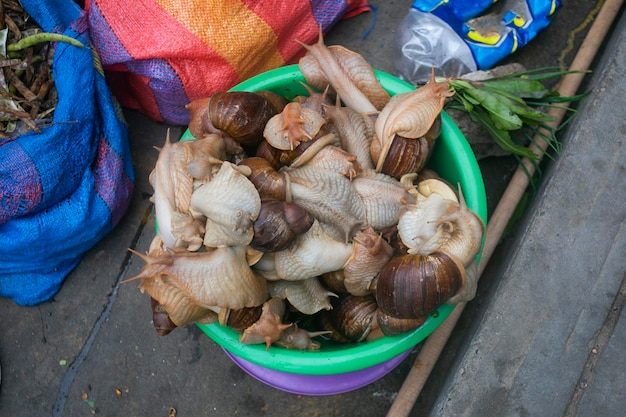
pixel 65 188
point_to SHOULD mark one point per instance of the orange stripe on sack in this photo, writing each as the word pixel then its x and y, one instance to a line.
pixel 232 30
pixel 147 32
pixel 291 20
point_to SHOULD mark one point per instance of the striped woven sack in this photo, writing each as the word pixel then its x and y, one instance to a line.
pixel 63 189
pixel 161 54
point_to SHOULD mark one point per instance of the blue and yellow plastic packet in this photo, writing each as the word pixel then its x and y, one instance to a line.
pixel 457 36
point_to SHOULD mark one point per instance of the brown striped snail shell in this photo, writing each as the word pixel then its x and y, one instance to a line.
pixel 279 158
pixel 266 179
pixel 241 115
pixel 277 100
pixel 270 154
pixel 351 319
pixel 161 318
pixel 239 319
pixel 278 225
pixel 412 286
pixel 407 155
pixel 334 281
pixel 392 326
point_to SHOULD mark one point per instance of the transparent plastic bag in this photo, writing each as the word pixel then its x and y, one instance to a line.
pixel 460 36
pixel 424 41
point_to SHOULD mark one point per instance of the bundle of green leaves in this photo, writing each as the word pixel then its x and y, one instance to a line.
pixel 512 108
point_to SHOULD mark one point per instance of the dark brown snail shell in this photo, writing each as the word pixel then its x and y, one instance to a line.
pixel 270 154
pixel 411 286
pixel 427 174
pixel 160 318
pixel 279 158
pixel 241 115
pixel 392 326
pixel 279 224
pixel 334 281
pixel 351 318
pixel 277 100
pixel 406 156
pixel 268 181
pixel 240 319
pixel 410 155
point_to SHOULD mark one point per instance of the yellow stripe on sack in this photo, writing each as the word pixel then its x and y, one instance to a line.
pixel 519 21
pixel 515 42
pixel 552 8
pixel 232 30
pixel 488 38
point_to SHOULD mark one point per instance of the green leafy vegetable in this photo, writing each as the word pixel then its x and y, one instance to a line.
pixel 511 107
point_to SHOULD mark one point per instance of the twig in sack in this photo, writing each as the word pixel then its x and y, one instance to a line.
pixel 41 38
pixel 22 115
pixel 27 89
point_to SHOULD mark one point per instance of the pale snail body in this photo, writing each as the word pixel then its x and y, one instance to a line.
pixel 410 115
pixel 313 253
pixel 370 252
pixel 218 278
pixel 230 204
pixel 349 77
pixel 330 158
pixel 164 197
pixel 294 337
pixel 308 296
pixel 355 131
pixel 269 327
pixel 383 198
pixel 464 232
pixel 295 124
pixel 330 197
pixel 188 231
pixel 418 227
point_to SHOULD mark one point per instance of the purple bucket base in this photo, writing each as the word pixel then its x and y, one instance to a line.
pixel 318 384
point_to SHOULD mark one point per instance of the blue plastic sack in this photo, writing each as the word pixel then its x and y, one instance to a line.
pixel 64 189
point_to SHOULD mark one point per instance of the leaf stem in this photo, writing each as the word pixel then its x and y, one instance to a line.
pixel 40 38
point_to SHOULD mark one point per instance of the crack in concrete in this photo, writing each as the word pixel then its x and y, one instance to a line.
pixel 42 322
pixel 70 375
pixel 601 339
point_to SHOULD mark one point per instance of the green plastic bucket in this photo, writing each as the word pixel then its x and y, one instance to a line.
pixel 452 158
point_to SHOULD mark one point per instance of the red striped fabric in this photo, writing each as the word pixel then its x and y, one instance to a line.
pixel 161 54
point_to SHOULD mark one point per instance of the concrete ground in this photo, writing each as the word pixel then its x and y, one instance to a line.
pixel 544 336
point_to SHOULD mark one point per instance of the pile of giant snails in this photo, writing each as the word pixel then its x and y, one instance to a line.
pixel 290 220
